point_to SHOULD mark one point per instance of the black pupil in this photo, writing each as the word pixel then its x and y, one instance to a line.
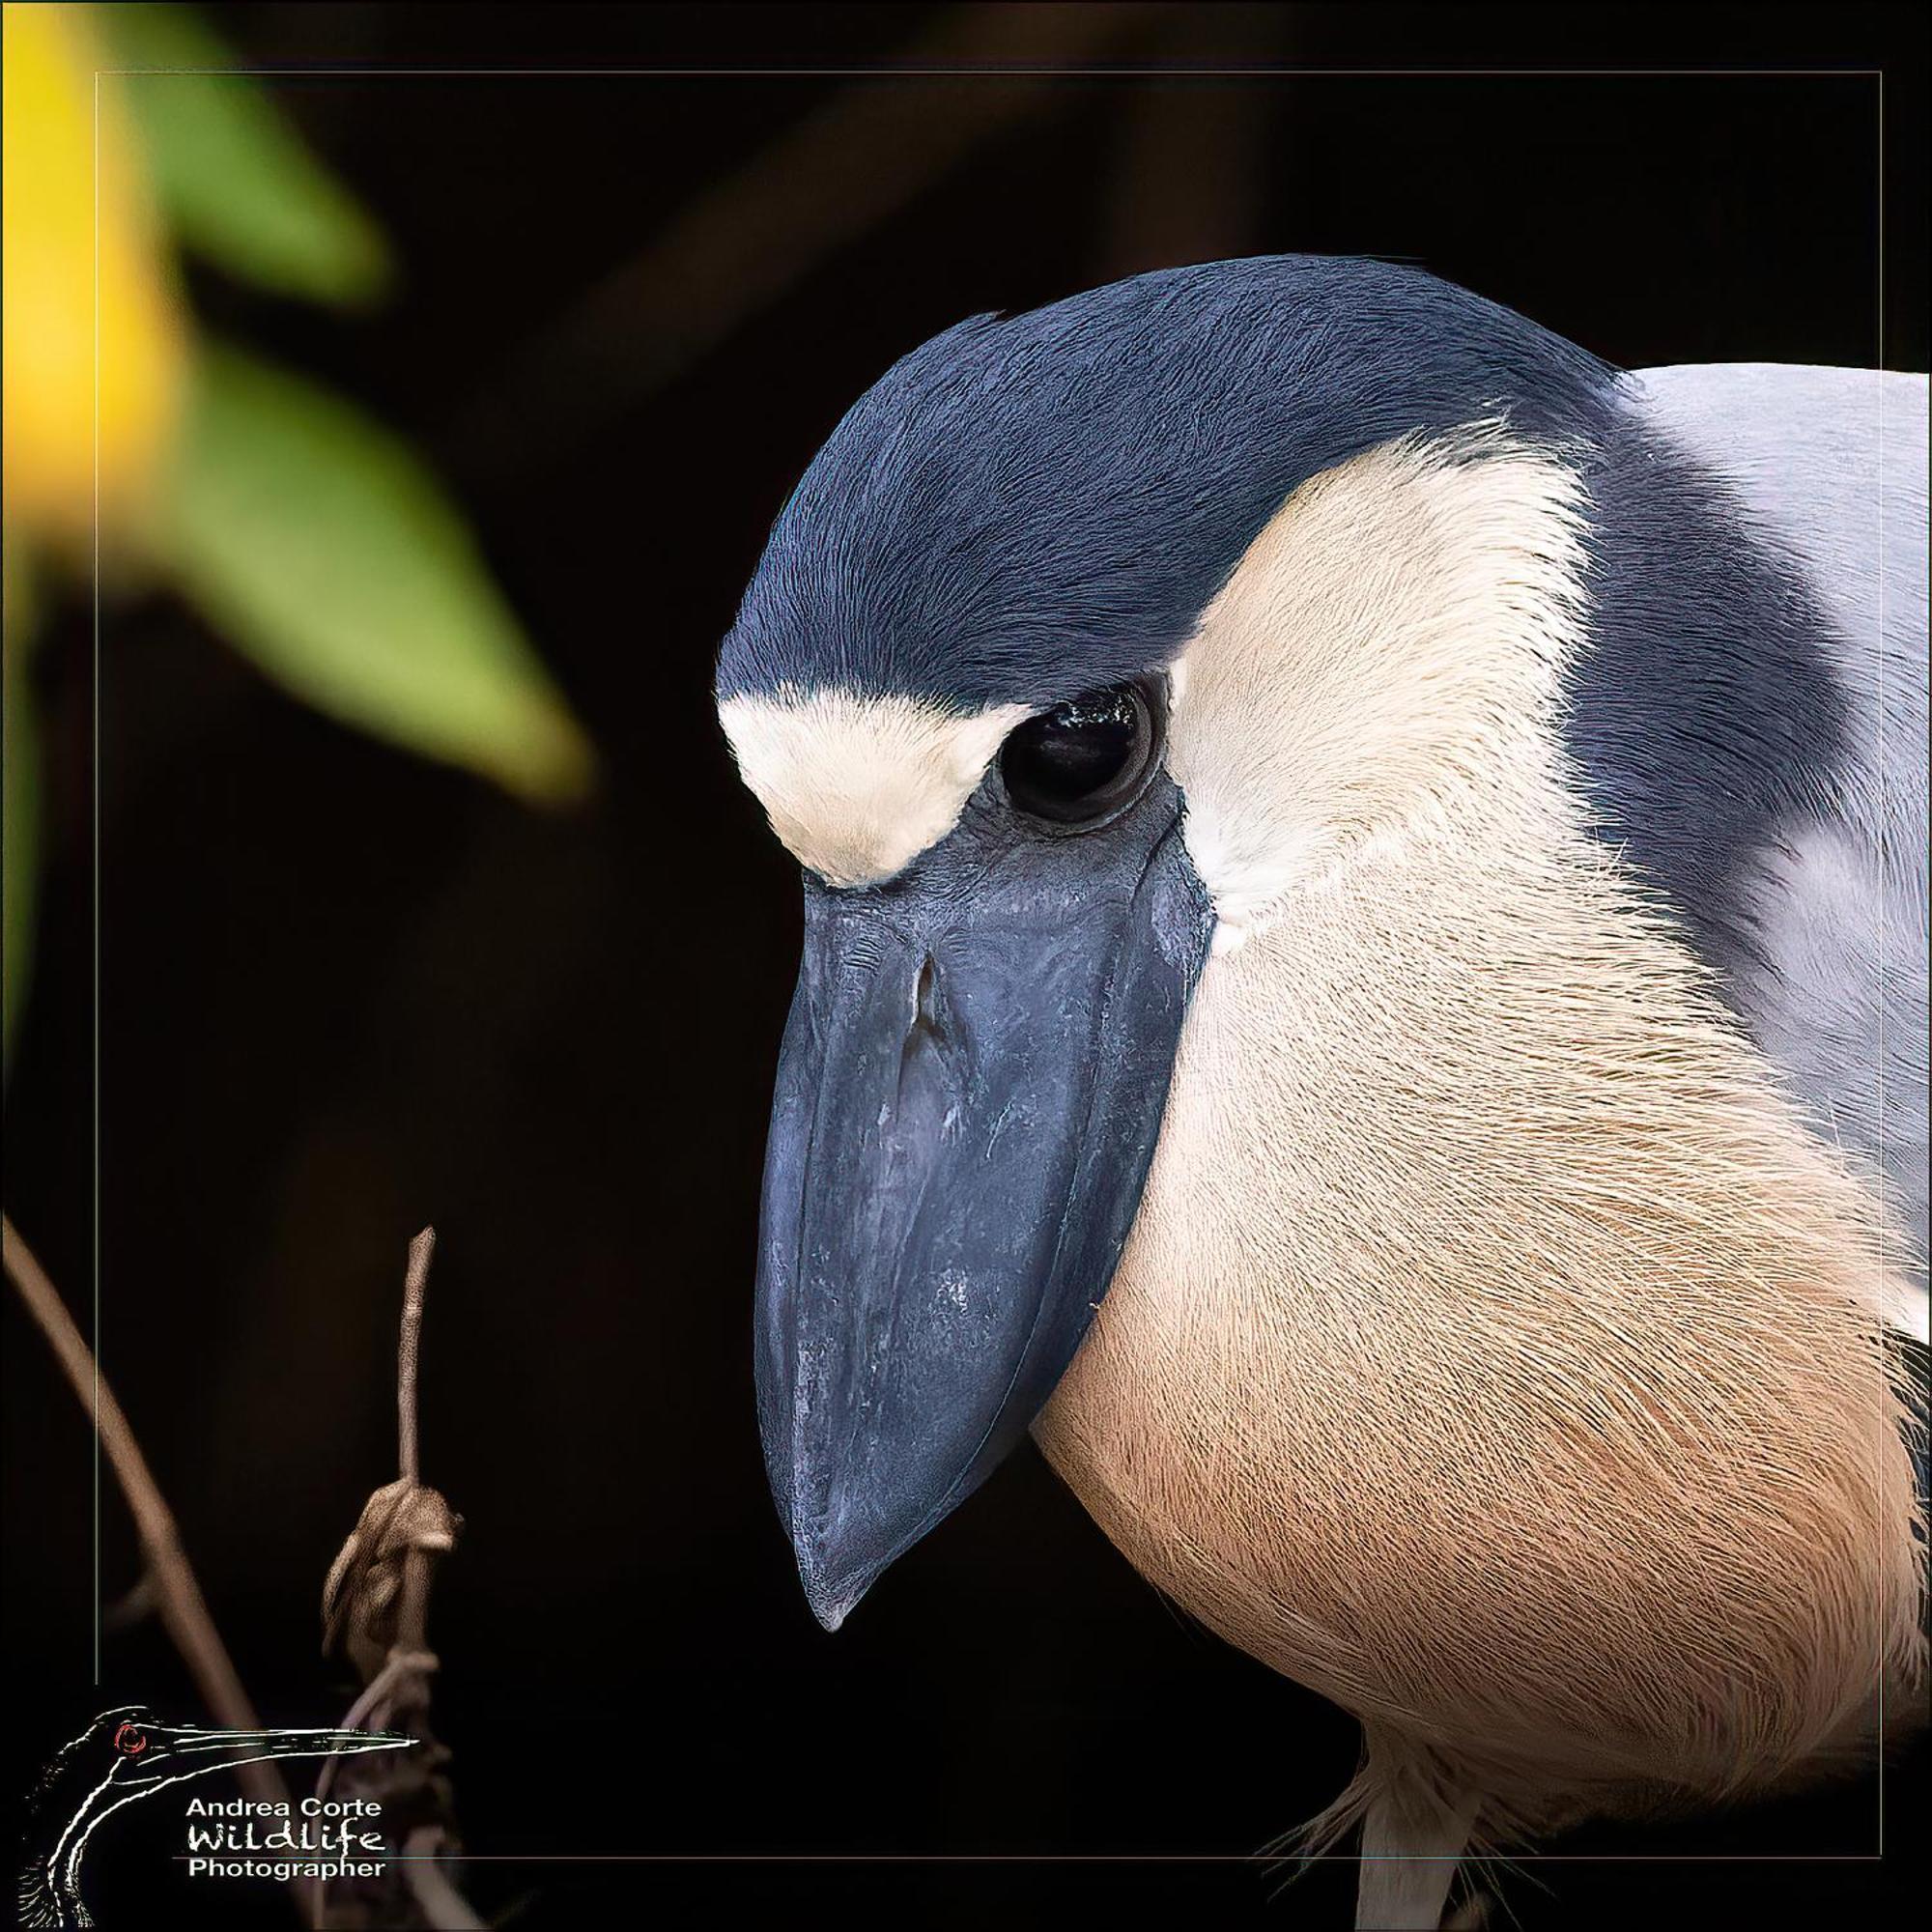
pixel 1072 761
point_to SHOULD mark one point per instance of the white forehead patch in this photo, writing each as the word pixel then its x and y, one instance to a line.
pixel 858 787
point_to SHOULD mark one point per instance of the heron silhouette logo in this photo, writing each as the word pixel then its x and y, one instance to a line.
pixel 126 1754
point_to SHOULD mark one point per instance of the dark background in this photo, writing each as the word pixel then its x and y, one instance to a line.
pixel 346 993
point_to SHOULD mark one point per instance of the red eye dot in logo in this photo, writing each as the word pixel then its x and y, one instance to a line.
pixel 130 1740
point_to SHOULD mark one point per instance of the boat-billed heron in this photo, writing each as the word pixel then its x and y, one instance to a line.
pixel 1365 972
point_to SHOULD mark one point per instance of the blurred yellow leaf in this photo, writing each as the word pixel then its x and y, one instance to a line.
pixel 235 182
pixel 77 245
pixel 323 550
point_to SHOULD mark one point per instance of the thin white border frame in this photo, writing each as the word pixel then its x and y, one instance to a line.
pixel 1017 71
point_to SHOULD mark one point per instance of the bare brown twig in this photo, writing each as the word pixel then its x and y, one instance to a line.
pixel 376 1606
pixel 422 1251
pixel 184 1612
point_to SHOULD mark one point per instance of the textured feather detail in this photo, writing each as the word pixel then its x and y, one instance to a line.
pixel 1496 1349
pixel 1027 507
pixel 1826 470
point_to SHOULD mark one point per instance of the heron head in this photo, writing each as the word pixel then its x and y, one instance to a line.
pixel 961 685
pixel 130 1746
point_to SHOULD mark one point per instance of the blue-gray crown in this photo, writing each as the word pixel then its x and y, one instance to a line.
pixel 1026 509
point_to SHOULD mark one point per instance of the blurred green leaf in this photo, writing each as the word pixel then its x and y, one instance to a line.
pixel 235 181
pixel 323 550
pixel 20 779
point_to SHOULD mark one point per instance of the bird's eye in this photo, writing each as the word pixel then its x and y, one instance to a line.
pixel 1087 759
pixel 129 1740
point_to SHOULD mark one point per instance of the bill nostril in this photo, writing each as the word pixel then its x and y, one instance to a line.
pixel 925 1088
pixel 925 1001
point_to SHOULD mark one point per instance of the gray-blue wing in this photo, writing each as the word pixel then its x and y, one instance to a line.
pixel 1829 466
